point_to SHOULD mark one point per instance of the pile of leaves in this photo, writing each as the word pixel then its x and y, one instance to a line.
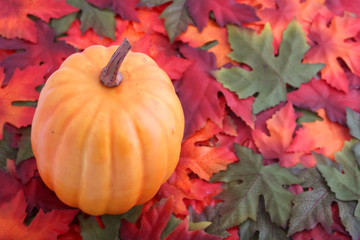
pixel 270 92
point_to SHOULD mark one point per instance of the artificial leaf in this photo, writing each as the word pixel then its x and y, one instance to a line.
pixel 312 206
pixel 225 12
pixel 316 233
pixel 63 24
pixel 177 18
pixel 170 226
pixel 270 74
pixel 314 136
pixel 281 128
pixel 211 32
pixel 152 3
pixel 90 229
pixel 280 15
pixel 351 222
pixel 200 195
pixel 245 182
pixel 330 44
pixel 21 87
pixel 318 94
pixel 7 149
pixel 46 51
pixel 340 6
pixel 198 90
pixel 154 221
pixel 126 9
pixel 344 185
pixel 203 160
pixel 43 226
pixel 353 121
pixel 14 20
pixel 306 116
pixel 266 228
pixel 24 145
pixel 101 21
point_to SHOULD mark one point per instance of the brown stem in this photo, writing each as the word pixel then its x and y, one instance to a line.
pixel 110 75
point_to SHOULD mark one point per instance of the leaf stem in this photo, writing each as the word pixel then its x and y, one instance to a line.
pixel 110 76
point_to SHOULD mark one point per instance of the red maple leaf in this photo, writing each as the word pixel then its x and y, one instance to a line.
pixel 318 94
pixel 15 22
pixel 324 136
pixel 126 9
pixel 339 6
pixel 43 226
pixel 203 160
pixel 285 11
pixel 225 12
pixel 44 51
pixel 201 194
pixel 330 42
pixel 21 88
pixel 198 90
pixel 281 128
pixel 154 221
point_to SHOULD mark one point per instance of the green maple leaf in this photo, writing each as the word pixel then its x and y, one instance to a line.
pixel 101 21
pixel 266 228
pixel 6 150
pixel 353 121
pixel 177 18
pixel 90 229
pixel 312 207
pixel 346 186
pixel 25 150
pixel 351 223
pixel 270 74
pixel 245 182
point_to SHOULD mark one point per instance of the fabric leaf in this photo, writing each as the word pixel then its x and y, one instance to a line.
pixel 344 185
pixel 351 222
pixel 312 206
pixel 353 121
pixel 269 74
pixel 177 18
pixel 245 182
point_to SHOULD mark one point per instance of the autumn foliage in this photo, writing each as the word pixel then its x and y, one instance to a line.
pixel 271 96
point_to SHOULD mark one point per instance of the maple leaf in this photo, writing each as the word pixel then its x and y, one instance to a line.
pixel 197 91
pixel 7 148
pixel 281 128
pixel 225 12
pixel 284 11
pixel 204 161
pixel 329 44
pixel 43 226
pixel 24 145
pixel 353 121
pixel 101 21
pixel 126 9
pixel 263 224
pixel 313 206
pixel 22 87
pixel 45 51
pixel 351 222
pixel 314 136
pixel 177 18
pixel 91 229
pixel 154 221
pixel 269 74
pixel 317 232
pixel 245 182
pixel 339 6
pixel 211 32
pixel 14 20
pixel 199 196
pixel 318 94
pixel 344 185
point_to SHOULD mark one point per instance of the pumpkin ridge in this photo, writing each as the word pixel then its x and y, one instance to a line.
pixel 83 177
pixel 64 129
pixel 112 173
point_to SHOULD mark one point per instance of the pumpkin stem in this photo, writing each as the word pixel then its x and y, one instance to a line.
pixel 110 75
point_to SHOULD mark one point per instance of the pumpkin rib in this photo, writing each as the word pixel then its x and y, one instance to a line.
pixel 87 143
pixel 64 129
pixel 112 146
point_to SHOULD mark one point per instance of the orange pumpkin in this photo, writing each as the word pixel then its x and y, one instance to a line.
pixel 105 149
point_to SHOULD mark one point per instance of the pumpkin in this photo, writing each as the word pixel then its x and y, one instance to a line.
pixel 105 138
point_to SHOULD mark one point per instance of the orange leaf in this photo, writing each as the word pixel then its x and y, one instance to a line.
pixel 20 88
pixel 325 136
pixel 211 32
